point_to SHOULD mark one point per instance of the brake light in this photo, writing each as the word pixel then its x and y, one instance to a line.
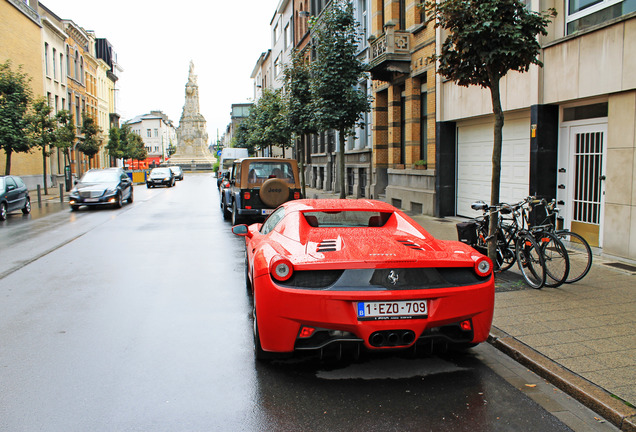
pixel 281 268
pixel 247 195
pixel 466 325
pixel 296 195
pixel 483 266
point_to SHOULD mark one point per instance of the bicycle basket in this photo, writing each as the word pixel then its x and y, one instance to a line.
pixel 467 232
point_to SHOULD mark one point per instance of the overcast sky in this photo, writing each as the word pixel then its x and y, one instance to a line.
pixel 155 41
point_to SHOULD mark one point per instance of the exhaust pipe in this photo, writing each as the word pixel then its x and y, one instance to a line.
pixel 392 338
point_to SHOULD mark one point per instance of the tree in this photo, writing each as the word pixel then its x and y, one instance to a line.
pixel 65 134
pixel 42 132
pixel 268 122
pixel 114 143
pixel 15 95
pixel 337 101
pixel 299 103
pixel 136 150
pixel 487 39
pixel 90 143
pixel 242 136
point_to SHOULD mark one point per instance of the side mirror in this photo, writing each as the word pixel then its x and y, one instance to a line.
pixel 241 230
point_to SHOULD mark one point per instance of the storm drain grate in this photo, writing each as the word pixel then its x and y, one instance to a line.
pixel 622 266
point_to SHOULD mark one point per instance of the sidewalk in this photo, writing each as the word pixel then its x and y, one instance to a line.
pixel 579 336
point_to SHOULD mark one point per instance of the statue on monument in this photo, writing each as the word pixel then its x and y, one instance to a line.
pixel 192 138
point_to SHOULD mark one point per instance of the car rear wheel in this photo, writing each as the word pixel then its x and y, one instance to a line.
pixel 27 206
pixel 226 213
pixel 236 218
pixel 3 211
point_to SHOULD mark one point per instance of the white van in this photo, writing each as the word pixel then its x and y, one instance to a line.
pixel 228 156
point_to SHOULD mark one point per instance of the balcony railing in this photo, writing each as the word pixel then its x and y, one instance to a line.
pixel 390 53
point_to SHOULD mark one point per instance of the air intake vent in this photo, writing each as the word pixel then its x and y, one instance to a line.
pixel 411 244
pixel 327 246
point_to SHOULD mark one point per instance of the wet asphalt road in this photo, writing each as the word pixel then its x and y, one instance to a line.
pixel 137 319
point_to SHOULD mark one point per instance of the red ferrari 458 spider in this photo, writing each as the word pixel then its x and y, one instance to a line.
pixel 330 274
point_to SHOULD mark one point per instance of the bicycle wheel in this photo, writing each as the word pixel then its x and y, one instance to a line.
pixel 557 262
pixel 530 260
pixel 505 258
pixel 580 255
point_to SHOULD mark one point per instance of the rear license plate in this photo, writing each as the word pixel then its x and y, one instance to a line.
pixel 266 212
pixel 404 309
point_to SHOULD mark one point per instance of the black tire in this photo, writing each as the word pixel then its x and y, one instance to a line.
pixel 226 213
pixel 148 185
pixel 557 263
pixel 130 198
pixel 580 254
pixel 236 218
pixel 530 260
pixel 3 211
pixel 119 201
pixel 248 284
pixel 27 206
pixel 75 208
pixel 505 258
pixel 260 354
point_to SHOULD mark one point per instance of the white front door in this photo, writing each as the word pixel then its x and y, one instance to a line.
pixel 586 181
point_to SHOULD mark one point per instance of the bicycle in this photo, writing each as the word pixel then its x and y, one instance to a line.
pixel 527 252
pixel 578 249
pixel 555 254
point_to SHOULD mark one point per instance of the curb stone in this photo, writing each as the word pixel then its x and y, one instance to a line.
pixel 589 394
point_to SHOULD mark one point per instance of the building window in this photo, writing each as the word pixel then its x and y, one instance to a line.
pixel 53 58
pixel 583 14
pixel 148 133
pixel 46 58
pixel 277 31
pixel 156 133
pixel 423 122
pixel 402 14
pixel 403 126
pixel 277 68
pixel 287 36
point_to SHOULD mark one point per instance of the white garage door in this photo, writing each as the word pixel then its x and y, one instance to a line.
pixel 474 163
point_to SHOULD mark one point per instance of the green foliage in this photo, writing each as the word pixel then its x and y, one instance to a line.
pixel 241 137
pixel 90 142
pixel 42 131
pixel 114 143
pixel 65 134
pixel 337 102
pixel 135 148
pixel 297 95
pixel 15 96
pixel 487 38
pixel 268 123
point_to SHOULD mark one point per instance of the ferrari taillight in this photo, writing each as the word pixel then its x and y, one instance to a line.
pixel 296 195
pixel 247 195
pixel 483 266
pixel 306 332
pixel 281 268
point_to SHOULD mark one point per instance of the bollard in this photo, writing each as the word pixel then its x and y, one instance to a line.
pixel 39 197
pixel 61 193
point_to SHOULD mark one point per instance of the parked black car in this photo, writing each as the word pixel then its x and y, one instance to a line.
pixel 160 176
pixel 97 187
pixel 14 195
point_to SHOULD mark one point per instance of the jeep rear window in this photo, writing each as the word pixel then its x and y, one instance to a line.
pixel 258 172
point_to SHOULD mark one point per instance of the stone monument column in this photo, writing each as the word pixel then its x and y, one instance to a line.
pixel 192 138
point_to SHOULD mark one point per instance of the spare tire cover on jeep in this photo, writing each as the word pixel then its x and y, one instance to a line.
pixel 274 192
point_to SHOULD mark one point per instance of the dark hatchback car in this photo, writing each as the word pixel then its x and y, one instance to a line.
pixel 178 172
pixel 98 187
pixel 14 195
pixel 160 176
